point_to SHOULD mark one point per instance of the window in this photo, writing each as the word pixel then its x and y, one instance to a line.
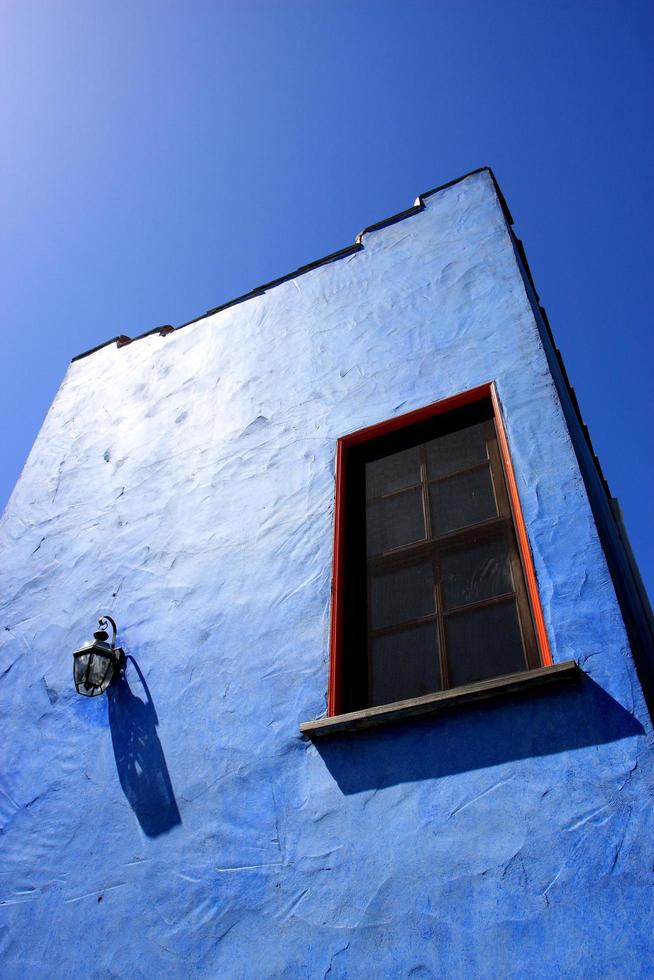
pixel 433 582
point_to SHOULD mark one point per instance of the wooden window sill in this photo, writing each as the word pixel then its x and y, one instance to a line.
pixel 386 714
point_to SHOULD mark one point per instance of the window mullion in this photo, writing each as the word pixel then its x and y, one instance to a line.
pixel 442 651
pixel 436 566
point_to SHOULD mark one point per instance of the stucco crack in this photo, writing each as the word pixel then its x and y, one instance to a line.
pixel 19 900
pixel 94 894
pixel 514 860
pixel 192 881
pixel 620 843
pixel 324 854
pixel 53 697
pixel 333 957
pixel 197 790
pixel 278 840
pixel 369 798
pixel 250 867
pixel 629 777
pixel 58 480
pixel 554 879
pixel 589 656
pixel 38 797
pixel 590 816
pixel 227 931
pixel 293 906
pixel 490 789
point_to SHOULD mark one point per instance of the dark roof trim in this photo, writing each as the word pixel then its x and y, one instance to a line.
pixel 262 290
pixel 419 206
pixel 629 588
pixel 400 216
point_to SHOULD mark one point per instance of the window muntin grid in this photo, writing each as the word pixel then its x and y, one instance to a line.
pixel 446 598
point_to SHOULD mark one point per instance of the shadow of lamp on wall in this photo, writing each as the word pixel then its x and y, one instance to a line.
pixel 98 667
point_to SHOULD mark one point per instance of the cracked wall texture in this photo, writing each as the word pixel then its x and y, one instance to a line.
pixel 181 827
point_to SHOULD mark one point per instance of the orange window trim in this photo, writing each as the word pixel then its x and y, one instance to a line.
pixel 340 524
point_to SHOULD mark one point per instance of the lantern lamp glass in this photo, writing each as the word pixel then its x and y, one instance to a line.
pixel 94 668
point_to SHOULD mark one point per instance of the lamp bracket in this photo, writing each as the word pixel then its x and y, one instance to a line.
pixel 103 623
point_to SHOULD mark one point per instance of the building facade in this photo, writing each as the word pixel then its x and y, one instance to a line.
pixel 182 824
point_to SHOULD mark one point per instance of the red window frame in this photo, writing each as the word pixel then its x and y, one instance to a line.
pixel 482 392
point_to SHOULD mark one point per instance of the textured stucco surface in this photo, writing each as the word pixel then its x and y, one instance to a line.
pixel 182 827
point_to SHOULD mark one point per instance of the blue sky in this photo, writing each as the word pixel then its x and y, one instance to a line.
pixel 159 158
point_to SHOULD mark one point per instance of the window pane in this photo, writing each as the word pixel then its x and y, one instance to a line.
pixel 404 665
pixel 483 643
pixel 395 522
pixel 461 501
pixel 393 473
pixel 405 593
pixel 456 451
pixel 477 572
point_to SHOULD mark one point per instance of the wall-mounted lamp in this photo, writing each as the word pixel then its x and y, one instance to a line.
pixel 97 662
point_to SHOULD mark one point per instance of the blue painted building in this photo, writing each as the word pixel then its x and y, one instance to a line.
pixel 182 825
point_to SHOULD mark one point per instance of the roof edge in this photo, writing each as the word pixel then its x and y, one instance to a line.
pixel 122 340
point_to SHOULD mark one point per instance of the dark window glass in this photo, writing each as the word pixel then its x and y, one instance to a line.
pixel 477 572
pixel 404 665
pixel 402 594
pixel 395 521
pixel 483 643
pixel 462 501
pixel 394 472
pixel 457 451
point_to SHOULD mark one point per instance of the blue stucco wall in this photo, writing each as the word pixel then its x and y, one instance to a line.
pixel 181 827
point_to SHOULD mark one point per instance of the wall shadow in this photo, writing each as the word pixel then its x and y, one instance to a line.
pixel 489 733
pixel 140 760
